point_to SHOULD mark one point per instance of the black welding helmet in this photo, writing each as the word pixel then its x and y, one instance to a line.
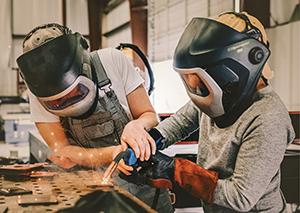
pixel 57 70
pixel 220 66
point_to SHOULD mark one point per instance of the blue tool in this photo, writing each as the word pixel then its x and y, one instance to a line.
pixel 155 134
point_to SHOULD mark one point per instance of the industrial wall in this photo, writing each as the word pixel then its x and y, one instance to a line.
pixel 167 19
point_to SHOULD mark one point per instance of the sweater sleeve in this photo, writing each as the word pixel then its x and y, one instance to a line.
pixel 179 125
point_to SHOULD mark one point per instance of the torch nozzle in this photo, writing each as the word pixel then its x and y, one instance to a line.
pixel 109 171
pixel 112 167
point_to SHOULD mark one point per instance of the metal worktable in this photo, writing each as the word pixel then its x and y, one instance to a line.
pixel 68 187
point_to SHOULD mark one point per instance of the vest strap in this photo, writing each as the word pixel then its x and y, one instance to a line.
pixel 103 80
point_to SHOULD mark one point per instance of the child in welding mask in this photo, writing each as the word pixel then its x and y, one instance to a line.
pixel 88 106
pixel 244 127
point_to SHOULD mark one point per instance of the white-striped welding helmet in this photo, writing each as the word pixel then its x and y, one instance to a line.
pixel 220 67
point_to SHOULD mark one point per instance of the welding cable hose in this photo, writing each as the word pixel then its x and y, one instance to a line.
pixel 128 154
pixel 121 155
pixel 144 59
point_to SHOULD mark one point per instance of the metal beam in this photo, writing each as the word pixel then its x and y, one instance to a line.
pixel 95 11
pixel 258 8
pixel 64 12
pixel 139 29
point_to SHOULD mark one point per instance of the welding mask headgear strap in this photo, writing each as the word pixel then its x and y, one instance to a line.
pixel 250 29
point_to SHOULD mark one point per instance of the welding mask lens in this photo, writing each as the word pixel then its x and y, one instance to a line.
pixel 76 95
pixel 195 84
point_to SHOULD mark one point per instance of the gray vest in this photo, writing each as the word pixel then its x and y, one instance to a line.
pixel 105 126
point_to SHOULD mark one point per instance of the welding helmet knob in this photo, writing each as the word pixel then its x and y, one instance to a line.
pixel 256 55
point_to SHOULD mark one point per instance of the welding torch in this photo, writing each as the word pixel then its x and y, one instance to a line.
pixel 112 167
pixel 129 156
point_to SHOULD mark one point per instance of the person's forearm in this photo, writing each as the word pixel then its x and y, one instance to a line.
pixel 147 120
pixel 89 157
pixel 55 137
pixel 180 125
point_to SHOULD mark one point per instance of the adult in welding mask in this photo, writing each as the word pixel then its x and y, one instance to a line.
pixel 244 127
pixel 85 105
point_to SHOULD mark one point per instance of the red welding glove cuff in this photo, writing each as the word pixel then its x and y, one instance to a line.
pixel 195 180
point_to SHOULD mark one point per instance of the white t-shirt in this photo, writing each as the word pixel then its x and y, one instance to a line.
pixel 119 70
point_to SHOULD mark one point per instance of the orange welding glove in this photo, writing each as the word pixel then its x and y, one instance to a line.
pixel 195 180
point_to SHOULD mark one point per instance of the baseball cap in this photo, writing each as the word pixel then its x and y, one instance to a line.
pixel 235 21
pixel 42 34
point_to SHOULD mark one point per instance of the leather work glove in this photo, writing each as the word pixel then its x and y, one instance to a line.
pixel 166 172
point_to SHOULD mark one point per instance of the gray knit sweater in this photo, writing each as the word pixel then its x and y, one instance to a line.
pixel 247 154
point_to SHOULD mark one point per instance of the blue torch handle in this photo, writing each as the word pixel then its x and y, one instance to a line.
pixel 131 160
